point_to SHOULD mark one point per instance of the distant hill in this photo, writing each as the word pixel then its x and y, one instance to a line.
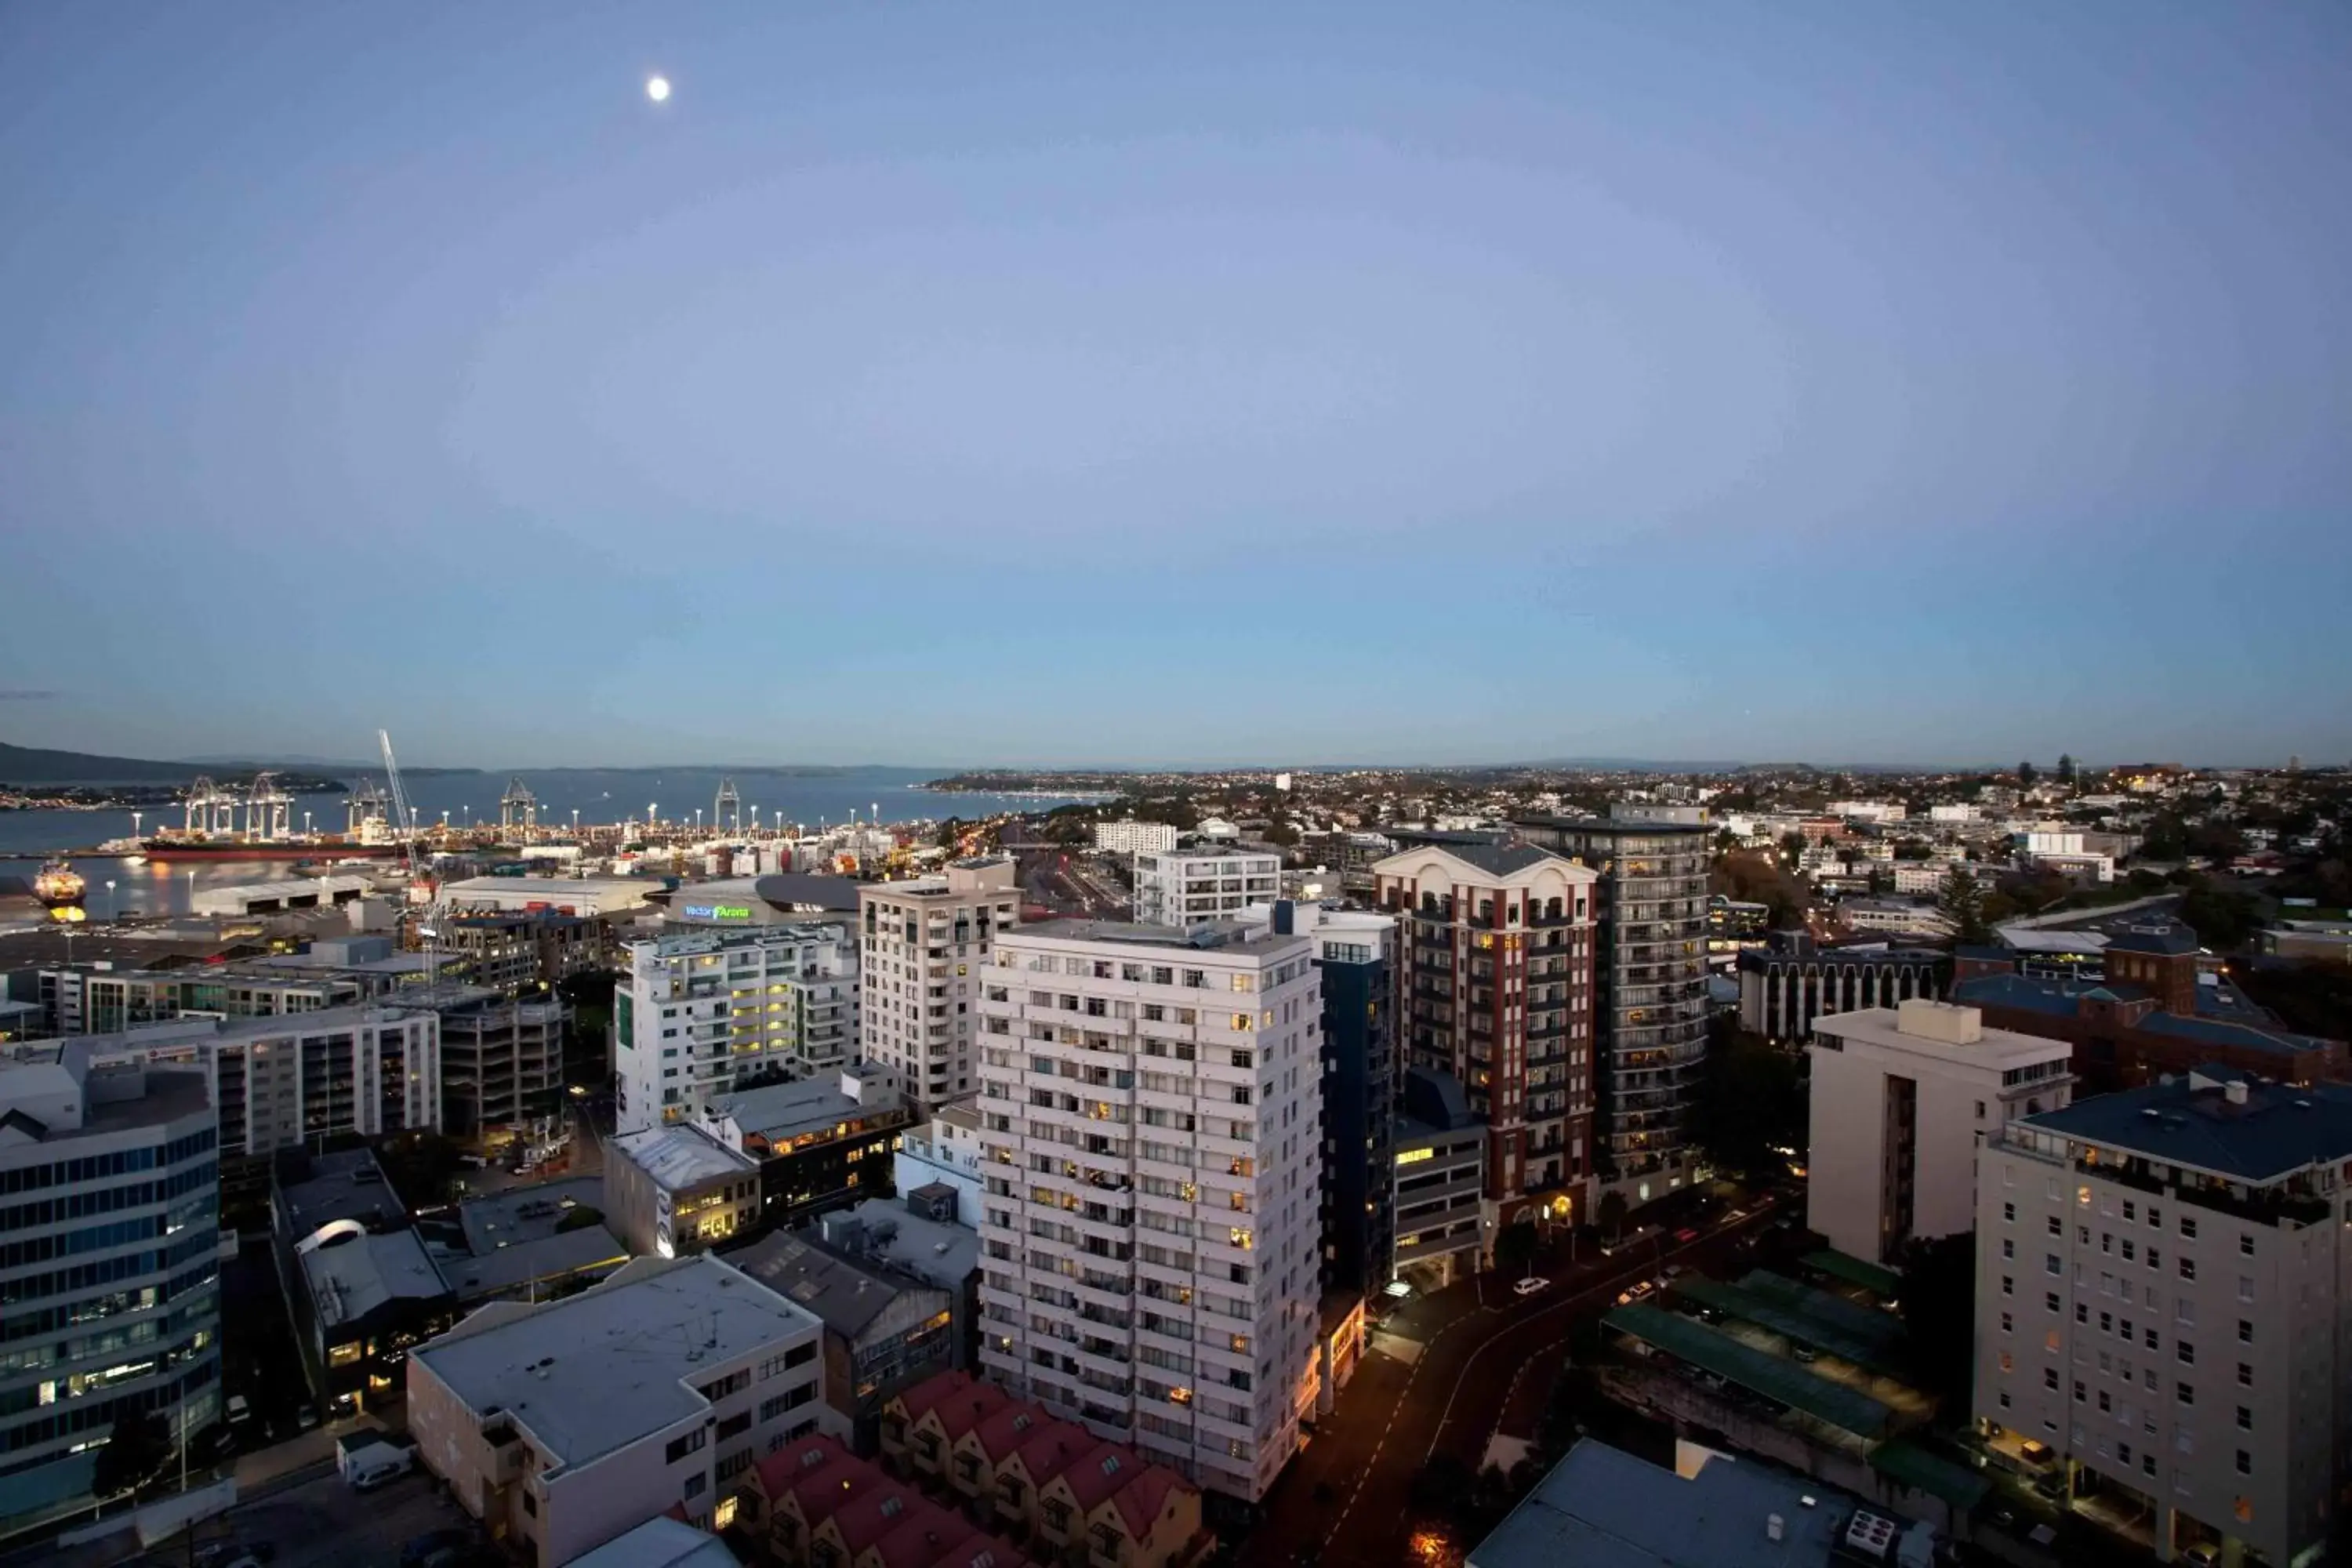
pixel 36 765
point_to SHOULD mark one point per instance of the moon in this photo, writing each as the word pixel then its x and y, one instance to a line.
pixel 657 88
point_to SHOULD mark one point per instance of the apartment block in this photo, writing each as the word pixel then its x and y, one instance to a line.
pixel 110 1198
pixel 1185 887
pixel 1902 1100
pixel 1495 975
pixel 702 1010
pixel 1151 1107
pixel 1133 837
pixel 1791 979
pixel 922 942
pixel 501 1058
pixel 566 1424
pixel 1651 1008
pixel 2163 1278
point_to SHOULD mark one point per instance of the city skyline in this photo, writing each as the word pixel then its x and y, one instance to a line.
pixel 925 387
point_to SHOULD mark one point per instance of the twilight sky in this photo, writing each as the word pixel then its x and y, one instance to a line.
pixel 955 384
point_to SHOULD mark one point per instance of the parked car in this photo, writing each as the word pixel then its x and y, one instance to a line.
pixel 1534 1284
pixel 1686 1234
pixel 423 1549
pixel 1639 1288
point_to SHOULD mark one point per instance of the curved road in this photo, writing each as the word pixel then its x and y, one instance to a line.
pixel 1345 1499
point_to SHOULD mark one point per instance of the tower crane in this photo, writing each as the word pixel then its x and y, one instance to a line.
pixel 403 818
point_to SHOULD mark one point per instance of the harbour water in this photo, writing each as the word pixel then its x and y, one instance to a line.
pixel 598 796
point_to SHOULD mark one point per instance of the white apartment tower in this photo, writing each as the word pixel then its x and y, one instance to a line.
pixel 2164 1298
pixel 1185 887
pixel 702 1009
pixel 1902 1100
pixel 924 940
pixel 1151 1108
pixel 1130 837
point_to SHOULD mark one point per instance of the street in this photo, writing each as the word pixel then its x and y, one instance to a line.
pixel 1438 1378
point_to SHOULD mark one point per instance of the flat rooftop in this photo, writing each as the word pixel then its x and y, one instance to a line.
pixel 660 1542
pixel 505 1266
pixel 1220 936
pixel 846 1292
pixel 354 1275
pixel 1943 1029
pixel 596 1371
pixel 2275 1132
pixel 680 1157
pixel 346 1184
pixel 779 1111
pixel 526 1213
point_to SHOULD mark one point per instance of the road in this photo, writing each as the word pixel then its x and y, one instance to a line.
pixel 1438 1379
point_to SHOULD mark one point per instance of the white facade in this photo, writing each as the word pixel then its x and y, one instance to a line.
pixel 946 1152
pixel 1900 918
pixel 1185 887
pixel 565 1424
pixel 923 943
pixel 1133 837
pixel 1152 1122
pixel 1902 1100
pixel 703 1008
pixel 565 895
pixel 2163 1280
pixel 1920 876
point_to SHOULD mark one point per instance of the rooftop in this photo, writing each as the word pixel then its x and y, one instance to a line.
pixel 1604 1508
pixel 1783 1382
pixel 526 1213
pixel 1621 826
pixel 1943 1029
pixel 937 1250
pixel 660 1542
pixel 345 1185
pixel 352 1275
pixel 2230 1023
pixel 506 1267
pixel 780 1111
pixel 2165 937
pixel 1226 936
pixel 2257 1131
pixel 596 1371
pixel 679 1157
pixel 847 1293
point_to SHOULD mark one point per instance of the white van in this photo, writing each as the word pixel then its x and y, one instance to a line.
pixel 371 1467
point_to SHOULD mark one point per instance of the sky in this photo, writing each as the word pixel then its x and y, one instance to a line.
pixel 1009 383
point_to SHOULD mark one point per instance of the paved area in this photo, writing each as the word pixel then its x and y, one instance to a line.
pixel 1345 1499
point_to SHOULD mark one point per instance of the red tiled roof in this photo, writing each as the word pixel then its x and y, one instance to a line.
pixel 795 1461
pixel 927 1539
pixel 1005 1430
pixel 833 1489
pixel 933 1392
pixel 876 1512
pixel 1050 1449
pixel 1143 1499
pixel 1098 1472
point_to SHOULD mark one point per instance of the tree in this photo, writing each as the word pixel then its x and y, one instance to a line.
pixel 580 1218
pixel 1962 903
pixel 2066 770
pixel 2026 773
pixel 135 1450
pixel 1612 1214
pixel 1792 846
pixel 1751 1104
pixel 1515 1249
pixel 2223 921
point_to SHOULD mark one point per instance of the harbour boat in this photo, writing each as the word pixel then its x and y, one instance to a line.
pixel 57 884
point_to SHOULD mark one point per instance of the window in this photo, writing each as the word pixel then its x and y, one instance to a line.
pixel 2188 1268
pixel 2006 1323
pixel 2078 1391
pixel 684 1444
pixel 2245 1463
pixel 2050 1378
pixel 2007 1286
pixel 2185 1352
pixel 2131 1210
pixel 2245 1375
pixel 2245 1331
pixel 2245 1419
pixel 2185 1394
pixel 2008 1248
pixel 2008 1212
pixel 2245 1288
pixel 695 1483
pixel 2049 1301
pixel 2189 1227
pixel 2147 1464
pixel 2246 1245
pixel 2049 1264
pixel 2056 1227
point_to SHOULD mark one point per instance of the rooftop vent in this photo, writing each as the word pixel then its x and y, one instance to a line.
pixel 1773 1527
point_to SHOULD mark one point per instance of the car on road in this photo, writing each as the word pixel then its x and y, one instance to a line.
pixel 1534 1284
pixel 435 1545
pixel 1639 1288
pixel 1686 1234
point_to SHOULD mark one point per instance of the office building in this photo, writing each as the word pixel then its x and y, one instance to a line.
pixel 563 1425
pixel 520 950
pixel 1792 980
pixel 110 1196
pixel 559 895
pixel 501 1058
pixel 1185 887
pixel 1651 1008
pixel 1902 1099
pixel 945 1154
pixel 1152 1119
pixel 674 1190
pixel 923 941
pixel 1133 837
pixel 703 1010
pixel 2161 1299
pixel 819 1143
pixel 1497 977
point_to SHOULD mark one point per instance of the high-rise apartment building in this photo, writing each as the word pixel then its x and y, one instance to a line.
pixel 923 943
pixel 110 1194
pixel 1901 1100
pixel 1652 972
pixel 702 1010
pixel 1185 887
pixel 1132 838
pixel 1151 1131
pixel 1495 979
pixel 2164 1298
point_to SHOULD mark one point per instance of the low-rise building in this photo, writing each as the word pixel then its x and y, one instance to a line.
pixel 561 895
pixel 528 1243
pixel 565 1425
pixel 674 1189
pixel 1901 1100
pixel 519 951
pixel 501 1058
pixel 2161 1299
pixel 663 1542
pixel 1897 917
pixel 883 1331
pixel 113 1165
pixel 364 1284
pixel 1792 980
pixel 814 1503
pixel 944 1152
pixel 820 1142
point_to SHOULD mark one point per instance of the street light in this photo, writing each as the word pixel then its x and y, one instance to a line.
pixel 111 912
pixel 306 824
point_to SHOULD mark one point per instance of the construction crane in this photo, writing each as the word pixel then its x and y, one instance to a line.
pixel 428 917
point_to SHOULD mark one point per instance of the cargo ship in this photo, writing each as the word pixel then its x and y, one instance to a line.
pixel 59 884
pixel 267 849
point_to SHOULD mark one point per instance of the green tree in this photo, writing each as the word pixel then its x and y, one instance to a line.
pixel 2066 770
pixel 1515 1249
pixel 1612 1214
pixel 1962 903
pixel 2026 773
pixel 1793 846
pixel 135 1450
pixel 2223 921
pixel 1750 1103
